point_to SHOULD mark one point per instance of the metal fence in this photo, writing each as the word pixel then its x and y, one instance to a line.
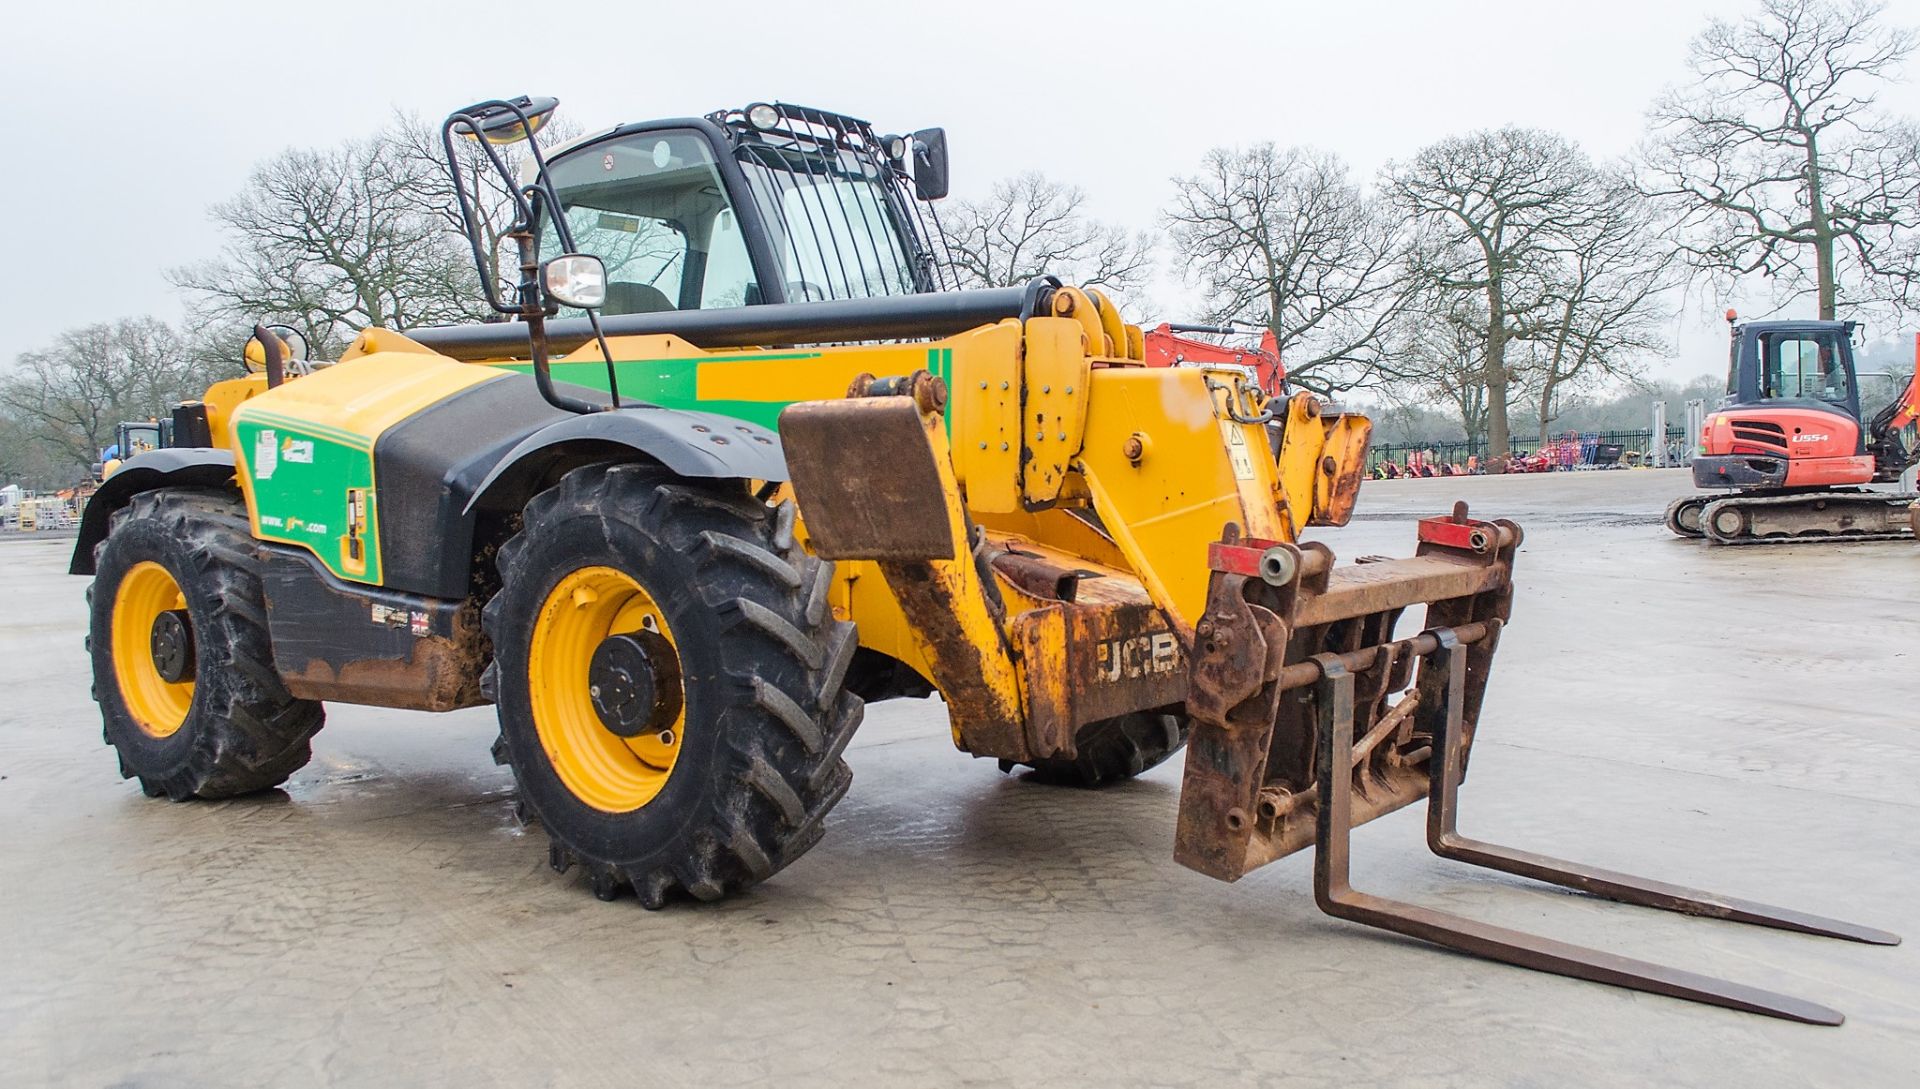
pixel 1580 450
pixel 38 514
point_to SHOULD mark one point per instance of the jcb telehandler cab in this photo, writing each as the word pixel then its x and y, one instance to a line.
pixel 678 547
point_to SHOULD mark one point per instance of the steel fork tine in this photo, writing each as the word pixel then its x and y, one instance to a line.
pixel 1443 811
pixel 1337 897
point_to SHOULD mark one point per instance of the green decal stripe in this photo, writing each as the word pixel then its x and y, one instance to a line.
pixel 940 365
pixel 344 437
pixel 301 495
pixel 674 383
pixel 678 387
pixel 676 362
pixel 654 380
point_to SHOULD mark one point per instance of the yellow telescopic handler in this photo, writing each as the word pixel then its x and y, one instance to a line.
pixel 735 462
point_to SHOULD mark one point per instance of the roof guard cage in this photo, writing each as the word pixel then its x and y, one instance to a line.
pixel 844 208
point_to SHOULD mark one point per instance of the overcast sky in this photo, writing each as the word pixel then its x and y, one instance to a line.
pixel 130 118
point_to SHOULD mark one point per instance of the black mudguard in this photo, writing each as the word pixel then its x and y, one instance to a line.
pixel 189 467
pixel 692 444
pixel 488 449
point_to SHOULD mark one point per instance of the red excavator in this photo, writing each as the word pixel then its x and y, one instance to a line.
pixel 1168 345
pixel 1791 442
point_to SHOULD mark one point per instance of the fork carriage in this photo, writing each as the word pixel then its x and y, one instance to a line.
pixel 1311 718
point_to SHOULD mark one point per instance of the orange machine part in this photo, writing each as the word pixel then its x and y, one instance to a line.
pixel 1819 447
pixel 1909 409
pixel 1829 472
pixel 1166 348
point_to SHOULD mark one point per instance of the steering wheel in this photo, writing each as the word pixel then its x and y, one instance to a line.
pixel 804 291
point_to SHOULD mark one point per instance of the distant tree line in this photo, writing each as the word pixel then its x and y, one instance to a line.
pixel 1492 281
pixel 328 242
pixel 1502 277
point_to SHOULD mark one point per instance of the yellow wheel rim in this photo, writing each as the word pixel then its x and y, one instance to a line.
pixel 611 773
pixel 158 706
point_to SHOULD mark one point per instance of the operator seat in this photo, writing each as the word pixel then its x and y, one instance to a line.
pixel 628 297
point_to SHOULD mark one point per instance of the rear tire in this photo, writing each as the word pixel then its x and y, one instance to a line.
pixel 233 728
pixel 1111 750
pixel 742 787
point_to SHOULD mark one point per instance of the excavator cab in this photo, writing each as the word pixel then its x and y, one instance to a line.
pixel 1809 363
pixel 132 438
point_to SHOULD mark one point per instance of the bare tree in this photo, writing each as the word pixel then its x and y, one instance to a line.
pixel 1445 361
pixel 25 458
pixel 1030 226
pixel 1281 237
pixel 1604 312
pixel 1495 210
pixel 419 143
pixel 68 398
pixel 1778 163
pixel 332 242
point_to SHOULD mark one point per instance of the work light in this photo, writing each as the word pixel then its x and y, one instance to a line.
pixel 500 125
pixel 763 117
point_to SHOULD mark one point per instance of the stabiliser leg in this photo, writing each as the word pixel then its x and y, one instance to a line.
pixel 1337 897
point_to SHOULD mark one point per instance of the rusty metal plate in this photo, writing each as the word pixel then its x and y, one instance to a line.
pixel 1343 465
pixel 866 480
pixel 1090 662
pixel 368 645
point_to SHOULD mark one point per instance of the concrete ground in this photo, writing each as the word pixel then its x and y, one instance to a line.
pixel 1744 720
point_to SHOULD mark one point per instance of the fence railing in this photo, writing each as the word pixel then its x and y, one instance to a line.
pixel 38 513
pixel 1573 450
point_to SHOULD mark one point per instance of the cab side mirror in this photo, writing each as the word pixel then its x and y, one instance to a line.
pixel 929 163
pixel 578 280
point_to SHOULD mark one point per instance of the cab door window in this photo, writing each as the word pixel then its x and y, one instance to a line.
pixel 652 206
pixel 1804 365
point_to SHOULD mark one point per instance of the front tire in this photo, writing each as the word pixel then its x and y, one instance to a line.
pixel 717 763
pixel 182 661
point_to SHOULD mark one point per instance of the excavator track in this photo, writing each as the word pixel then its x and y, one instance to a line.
pixel 1812 516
